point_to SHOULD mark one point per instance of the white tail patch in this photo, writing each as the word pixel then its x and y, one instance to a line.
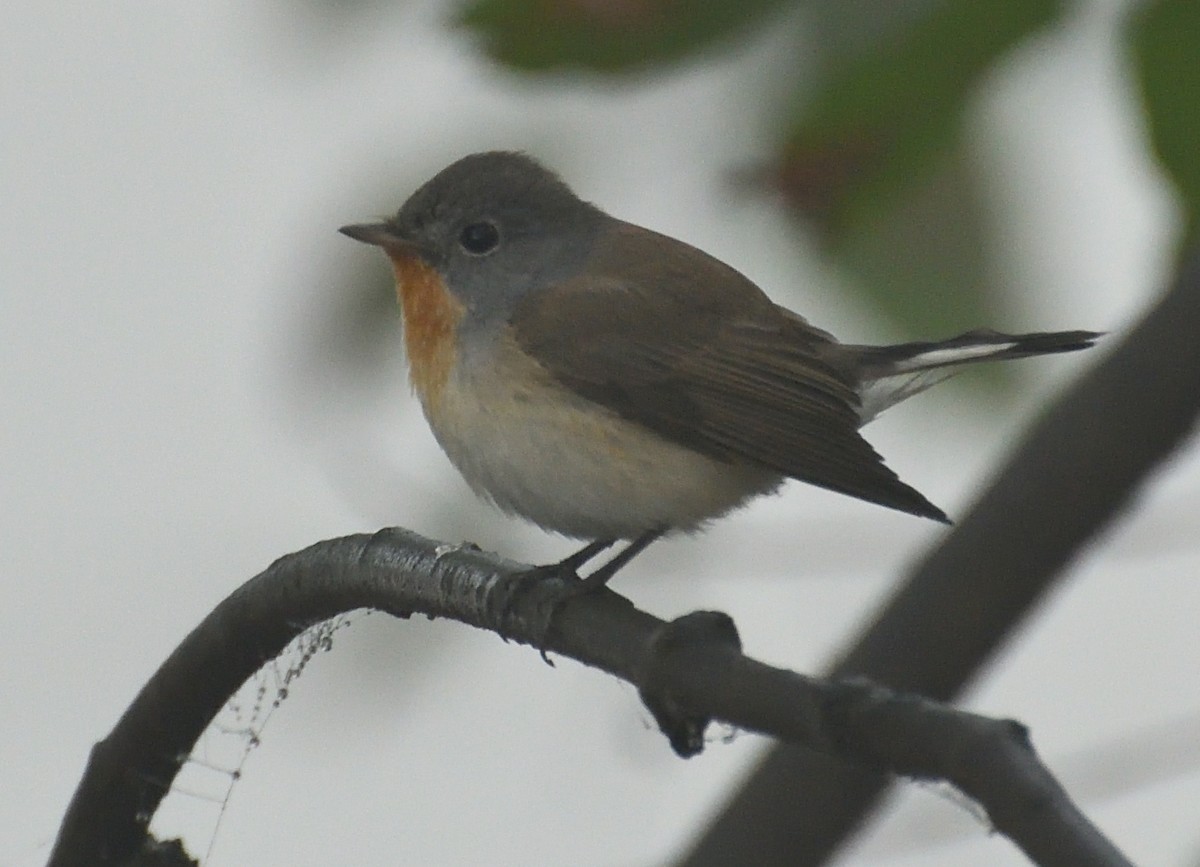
pixel 956 355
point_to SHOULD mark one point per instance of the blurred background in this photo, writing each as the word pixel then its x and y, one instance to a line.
pixel 198 374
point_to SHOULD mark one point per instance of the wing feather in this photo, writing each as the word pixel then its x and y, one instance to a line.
pixel 716 367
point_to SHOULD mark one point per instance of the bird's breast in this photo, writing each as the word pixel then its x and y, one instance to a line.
pixel 537 450
pixel 431 318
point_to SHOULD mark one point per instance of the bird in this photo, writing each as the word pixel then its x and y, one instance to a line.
pixel 610 383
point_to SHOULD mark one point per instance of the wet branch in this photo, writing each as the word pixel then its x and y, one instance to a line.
pixel 689 671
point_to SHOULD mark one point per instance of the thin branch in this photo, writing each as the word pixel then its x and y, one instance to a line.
pixel 1076 470
pixel 688 672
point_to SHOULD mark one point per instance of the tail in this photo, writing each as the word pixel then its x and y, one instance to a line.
pixel 890 374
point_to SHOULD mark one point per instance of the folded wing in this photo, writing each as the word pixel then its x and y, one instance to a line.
pixel 680 343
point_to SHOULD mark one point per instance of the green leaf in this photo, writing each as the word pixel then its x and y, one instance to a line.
pixel 923 262
pixel 887 115
pixel 1166 46
pixel 875 163
pixel 607 35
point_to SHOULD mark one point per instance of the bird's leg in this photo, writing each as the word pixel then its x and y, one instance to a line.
pixel 581 586
pixel 601 576
pixel 567 568
pixel 570 565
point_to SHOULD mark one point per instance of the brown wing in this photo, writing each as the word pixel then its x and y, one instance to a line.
pixel 679 342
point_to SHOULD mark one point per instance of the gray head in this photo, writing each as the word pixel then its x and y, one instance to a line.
pixel 494 225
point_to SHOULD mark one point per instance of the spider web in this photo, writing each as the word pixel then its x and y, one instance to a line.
pixel 199 798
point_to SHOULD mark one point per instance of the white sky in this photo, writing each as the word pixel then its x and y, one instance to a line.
pixel 173 176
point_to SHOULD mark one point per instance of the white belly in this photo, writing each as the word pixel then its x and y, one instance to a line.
pixel 571 466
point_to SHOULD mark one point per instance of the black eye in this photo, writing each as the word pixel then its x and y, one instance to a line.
pixel 479 239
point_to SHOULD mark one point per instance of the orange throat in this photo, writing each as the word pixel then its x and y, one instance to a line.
pixel 431 316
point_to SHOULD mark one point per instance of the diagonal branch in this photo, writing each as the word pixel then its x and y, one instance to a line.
pixel 1077 469
pixel 688 671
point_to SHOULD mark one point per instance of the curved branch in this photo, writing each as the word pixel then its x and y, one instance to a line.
pixel 688 671
pixel 1075 471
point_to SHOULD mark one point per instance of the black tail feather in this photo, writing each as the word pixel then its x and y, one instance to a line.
pixel 877 362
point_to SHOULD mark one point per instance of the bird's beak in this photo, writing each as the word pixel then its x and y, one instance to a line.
pixel 379 235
